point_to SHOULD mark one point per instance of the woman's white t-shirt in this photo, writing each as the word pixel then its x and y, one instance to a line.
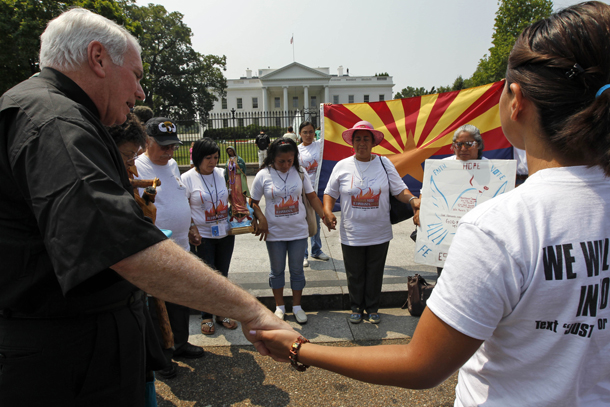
pixel 284 208
pixel 365 200
pixel 309 158
pixel 209 200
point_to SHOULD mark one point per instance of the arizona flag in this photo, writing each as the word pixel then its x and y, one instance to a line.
pixel 416 129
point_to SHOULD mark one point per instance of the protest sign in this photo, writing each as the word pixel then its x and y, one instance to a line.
pixel 451 188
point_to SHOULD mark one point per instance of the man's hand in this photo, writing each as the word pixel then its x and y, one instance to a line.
pixel 276 342
pixel 266 321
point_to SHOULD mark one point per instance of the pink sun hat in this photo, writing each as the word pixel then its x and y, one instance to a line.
pixel 348 134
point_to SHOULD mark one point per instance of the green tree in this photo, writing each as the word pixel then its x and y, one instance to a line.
pixel 410 92
pixel 179 82
pixel 511 18
pixel 23 21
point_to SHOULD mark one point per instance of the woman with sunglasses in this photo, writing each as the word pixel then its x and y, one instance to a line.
pixel 467 144
pixel 281 180
pixel 522 307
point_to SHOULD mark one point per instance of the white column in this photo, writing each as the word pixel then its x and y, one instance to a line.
pixel 285 98
pixel 326 94
pixel 306 96
pixel 264 105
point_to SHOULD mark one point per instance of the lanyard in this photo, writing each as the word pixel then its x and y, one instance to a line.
pixel 210 192
pixel 285 181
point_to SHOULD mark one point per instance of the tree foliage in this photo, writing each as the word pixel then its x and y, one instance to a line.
pixel 179 82
pixel 23 21
pixel 511 18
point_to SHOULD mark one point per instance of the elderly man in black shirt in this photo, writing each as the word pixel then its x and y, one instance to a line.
pixel 75 247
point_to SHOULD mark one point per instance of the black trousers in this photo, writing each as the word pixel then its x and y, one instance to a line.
pixel 179 316
pixel 95 360
pixel 364 269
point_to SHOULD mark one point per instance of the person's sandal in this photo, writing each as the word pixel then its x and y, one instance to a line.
pixel 355 318
pixel 207 327
pixel 227 323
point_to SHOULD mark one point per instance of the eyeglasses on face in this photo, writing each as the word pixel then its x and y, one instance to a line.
pixel 172 147
pixel 129 156
pixel 467 144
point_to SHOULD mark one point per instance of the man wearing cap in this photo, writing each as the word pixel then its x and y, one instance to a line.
pixel 77 252
pixel 173 213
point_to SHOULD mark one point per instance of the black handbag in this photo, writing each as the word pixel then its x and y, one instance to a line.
pixel 399 211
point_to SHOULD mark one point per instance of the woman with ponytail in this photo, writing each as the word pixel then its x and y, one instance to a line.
pixel 521 308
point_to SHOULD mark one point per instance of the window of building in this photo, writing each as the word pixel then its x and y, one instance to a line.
pixel 225 123
pixel 336 99
pixel 224 103
pixel 295 102
pixel 254 103
pixel 278 122
pixel 239 103
pixel 240 122
pixel 381 98
pixel 255 121
pixel 210 124
pixel 313 101
pixel 366 98
pixel 277 103
pixel 350 99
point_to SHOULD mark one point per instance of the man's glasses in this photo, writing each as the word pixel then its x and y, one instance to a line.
pixel 172 147
pixel 467 144
pixel 129 156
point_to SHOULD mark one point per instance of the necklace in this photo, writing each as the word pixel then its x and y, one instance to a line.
pixel 214 202
pixel 285 180
pixel 360 172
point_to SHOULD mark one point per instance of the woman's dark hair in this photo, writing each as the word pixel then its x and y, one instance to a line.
pixel 305 124
pixel 201 149
pixel 131 131
pixel 560 63
pixel 280 146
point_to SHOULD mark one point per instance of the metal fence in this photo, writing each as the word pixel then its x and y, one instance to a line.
pixel 239 129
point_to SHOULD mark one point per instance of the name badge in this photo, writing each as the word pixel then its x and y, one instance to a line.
pixel 219 230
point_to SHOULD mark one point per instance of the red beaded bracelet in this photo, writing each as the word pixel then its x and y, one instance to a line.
pixel 294 354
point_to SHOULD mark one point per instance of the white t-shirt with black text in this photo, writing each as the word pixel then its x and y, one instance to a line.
pixel 528 273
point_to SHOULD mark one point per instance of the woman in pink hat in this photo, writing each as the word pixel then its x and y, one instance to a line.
pixel 364 183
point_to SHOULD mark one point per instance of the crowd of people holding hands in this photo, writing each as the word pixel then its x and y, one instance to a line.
pixel 502 276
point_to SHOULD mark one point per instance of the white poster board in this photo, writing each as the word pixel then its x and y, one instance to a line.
pixel 451 188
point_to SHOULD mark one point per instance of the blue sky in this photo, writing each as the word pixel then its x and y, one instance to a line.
pixel 419 43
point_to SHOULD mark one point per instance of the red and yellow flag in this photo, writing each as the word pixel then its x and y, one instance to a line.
pixel 416 129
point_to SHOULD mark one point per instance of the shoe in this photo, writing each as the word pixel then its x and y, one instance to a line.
pixel 227 323
pixel 279 313
pixel 169 372
pixel 189 351
pixel 321 256
pixel 355 318
pixel 374 318
pixel 305 263
pixel 301 317
pixel 207 327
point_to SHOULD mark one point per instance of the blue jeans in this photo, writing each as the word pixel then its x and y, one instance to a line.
pixel 216 253
pixel 277 257
pixel 316 242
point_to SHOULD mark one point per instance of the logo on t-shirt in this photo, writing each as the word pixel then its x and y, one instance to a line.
pixel 366 200
pixel 312 167
pixel 287 207
pixel 221 213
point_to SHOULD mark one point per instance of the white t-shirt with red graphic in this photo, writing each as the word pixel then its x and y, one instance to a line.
pixel 309 158
pixel 284 210
pixel 365 200
pixel 209 200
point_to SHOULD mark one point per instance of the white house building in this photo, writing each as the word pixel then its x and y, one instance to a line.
pixel 296 86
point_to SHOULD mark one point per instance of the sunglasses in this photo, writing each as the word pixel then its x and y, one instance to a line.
pixel 172 147
pixel 467 144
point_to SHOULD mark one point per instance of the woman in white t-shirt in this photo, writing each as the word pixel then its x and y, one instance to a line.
pixel 279 181
pixel 310 158
pixel 208 197
pixel 364 183
pixel 522 306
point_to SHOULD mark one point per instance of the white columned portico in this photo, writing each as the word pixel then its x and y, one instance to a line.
pixel 285 88
pixel 326 94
